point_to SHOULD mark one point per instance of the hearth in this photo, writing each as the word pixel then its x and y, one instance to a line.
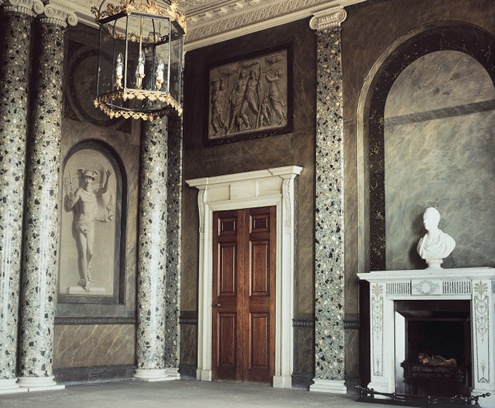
pixel 442 312
pixel 437 347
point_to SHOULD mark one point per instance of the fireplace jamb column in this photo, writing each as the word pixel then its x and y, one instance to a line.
pixel 483 342
pixel 381 322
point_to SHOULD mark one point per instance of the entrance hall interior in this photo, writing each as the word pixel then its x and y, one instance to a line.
pixel 266 234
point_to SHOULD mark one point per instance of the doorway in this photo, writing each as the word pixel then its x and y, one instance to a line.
pixel 243 297
pixel 260 188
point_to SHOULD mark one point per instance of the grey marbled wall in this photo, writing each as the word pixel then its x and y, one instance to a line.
pixel 439 151
pixel 371 34
pixel 108 327
pixel 94 345
pixel 274 151
pixel 295 148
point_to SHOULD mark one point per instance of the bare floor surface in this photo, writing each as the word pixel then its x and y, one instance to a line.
pixel 183 394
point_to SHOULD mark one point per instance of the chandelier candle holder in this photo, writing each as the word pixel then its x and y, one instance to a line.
pixel 139 58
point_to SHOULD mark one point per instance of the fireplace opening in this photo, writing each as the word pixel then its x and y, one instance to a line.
pixel 436 341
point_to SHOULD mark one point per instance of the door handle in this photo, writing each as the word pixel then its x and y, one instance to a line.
pixel 216 304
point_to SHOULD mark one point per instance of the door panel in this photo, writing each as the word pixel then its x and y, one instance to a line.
pixel 225 319
pixel 227 330
pixel 243 295
pixel 260 338
pixel 227 277
pixel 260 284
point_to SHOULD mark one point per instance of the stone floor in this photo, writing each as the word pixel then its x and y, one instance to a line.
pixel 182 394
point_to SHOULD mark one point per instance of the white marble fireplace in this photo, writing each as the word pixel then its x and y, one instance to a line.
pixel 387 346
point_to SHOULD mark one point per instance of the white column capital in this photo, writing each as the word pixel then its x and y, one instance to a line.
pixel 59 14
pixel 29 7
pixel 326 19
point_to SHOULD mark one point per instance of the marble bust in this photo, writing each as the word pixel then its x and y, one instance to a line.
pixel 436 244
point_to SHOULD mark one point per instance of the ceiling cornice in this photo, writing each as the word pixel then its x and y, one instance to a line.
pixel 236 18
pixel 213 21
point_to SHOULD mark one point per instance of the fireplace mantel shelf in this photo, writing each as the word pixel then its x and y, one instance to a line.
pixel 443 274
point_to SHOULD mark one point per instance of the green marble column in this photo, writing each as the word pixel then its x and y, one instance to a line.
pixel 174 211
pixel 41 224
pixel 152 253
pixel 15 42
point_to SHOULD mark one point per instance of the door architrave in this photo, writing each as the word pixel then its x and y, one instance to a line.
pixel 263 188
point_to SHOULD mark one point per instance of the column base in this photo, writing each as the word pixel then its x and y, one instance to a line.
pixel 280 381
pixel 155 375
pixel 39 384
pixel 329 386
pixel 173 373
pixel 10 386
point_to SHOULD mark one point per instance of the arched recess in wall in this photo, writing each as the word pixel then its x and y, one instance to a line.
pixel 459 37
pixel 93 243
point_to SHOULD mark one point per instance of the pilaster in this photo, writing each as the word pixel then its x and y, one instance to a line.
pixel 329 222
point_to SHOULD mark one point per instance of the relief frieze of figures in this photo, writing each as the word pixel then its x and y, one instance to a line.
pixel 249 96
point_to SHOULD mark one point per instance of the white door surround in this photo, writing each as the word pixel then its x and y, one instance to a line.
pixel 263 188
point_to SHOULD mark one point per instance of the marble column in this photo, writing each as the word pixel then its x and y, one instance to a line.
pixel 42 208
pixel 152 253
pixel 15 42
pixel 174 203
pixel 329 221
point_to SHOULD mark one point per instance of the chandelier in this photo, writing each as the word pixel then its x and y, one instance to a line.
pixel 139 58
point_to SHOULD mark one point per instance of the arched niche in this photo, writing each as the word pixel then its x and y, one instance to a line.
pixel 100 209
pixel 429 47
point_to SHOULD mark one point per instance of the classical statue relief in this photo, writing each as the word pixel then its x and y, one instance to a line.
pixel 248 96
pixel 89 204
pixel 436 244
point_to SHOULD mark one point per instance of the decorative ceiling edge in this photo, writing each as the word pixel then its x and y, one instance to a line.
pixel 228 19
pixel 258 16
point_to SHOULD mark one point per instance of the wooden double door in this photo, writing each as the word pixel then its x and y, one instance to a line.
pixel 244 295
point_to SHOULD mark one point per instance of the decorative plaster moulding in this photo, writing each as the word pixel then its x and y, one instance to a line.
pixel 237 18
pixel 211 22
